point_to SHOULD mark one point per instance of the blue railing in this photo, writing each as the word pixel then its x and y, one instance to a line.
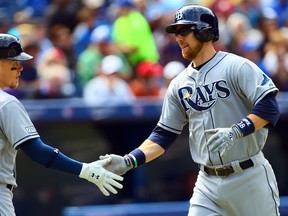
pixel 144 209
pixel 74 109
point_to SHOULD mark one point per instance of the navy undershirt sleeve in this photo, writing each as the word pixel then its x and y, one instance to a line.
pixel 268 109
pixel 42 154
pixel 162 137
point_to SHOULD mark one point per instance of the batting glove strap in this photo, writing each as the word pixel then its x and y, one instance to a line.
pixel 129 161
pixel 136 158
pixel 119 165
pixel 236 132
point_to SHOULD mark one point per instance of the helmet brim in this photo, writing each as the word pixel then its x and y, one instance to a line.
pixel 21 57
pixel 171 29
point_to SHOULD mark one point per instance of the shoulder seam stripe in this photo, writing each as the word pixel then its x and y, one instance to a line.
pixel 169 127
pixel 31 135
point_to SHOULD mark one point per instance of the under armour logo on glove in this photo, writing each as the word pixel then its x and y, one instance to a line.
pixel 97 176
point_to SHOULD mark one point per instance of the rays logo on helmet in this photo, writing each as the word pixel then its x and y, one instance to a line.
pixel 178 15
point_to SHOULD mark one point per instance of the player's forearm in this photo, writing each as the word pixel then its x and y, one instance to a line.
pixel 151 150
pixel 265 113
pixel 146 152
pixel 50 157
pixel 257 121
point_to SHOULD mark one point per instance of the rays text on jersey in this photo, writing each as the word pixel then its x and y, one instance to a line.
pixel 203 97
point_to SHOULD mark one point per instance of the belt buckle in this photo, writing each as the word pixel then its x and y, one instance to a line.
pixel 216 172
pixel 222 168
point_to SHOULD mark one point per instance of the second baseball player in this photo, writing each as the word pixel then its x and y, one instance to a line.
pixel 229 105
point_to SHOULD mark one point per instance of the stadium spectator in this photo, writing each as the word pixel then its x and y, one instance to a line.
pixel 237 25
pixel 281 8
pixel 267 23
pixel 223 9
pixel 61 37
pixel 107 87
pixel 55 76
pixel 82 32
pixel 250 9
pixel 276 58
pixel 100 45
pixel 40 34
pixel 252 48
pixel 148 79
pixel 89 16
pixel 62 12
pixel 29 80
pixel 133 35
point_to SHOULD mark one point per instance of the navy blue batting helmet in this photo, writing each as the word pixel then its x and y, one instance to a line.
pixel 203 21
pixel 10 48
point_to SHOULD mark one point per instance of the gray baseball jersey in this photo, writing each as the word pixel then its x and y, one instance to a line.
pixel 15 128
pixel 220 94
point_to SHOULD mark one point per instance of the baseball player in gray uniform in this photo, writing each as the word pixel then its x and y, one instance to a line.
pixel 229 105
pixel 18 132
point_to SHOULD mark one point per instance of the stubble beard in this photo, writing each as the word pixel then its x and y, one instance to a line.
pixel 192 53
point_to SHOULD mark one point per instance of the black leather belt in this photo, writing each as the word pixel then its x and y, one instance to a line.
pixel 10 187
pixel 225 171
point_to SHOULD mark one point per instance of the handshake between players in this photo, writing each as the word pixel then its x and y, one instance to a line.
pixel 104 179
pixel 105 173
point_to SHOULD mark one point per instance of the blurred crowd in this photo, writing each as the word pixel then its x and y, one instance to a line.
pixel 117 50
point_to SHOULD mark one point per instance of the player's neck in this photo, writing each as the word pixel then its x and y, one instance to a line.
pixel 207 53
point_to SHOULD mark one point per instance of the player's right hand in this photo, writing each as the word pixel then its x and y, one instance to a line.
pixel 117 165
pixel 105 180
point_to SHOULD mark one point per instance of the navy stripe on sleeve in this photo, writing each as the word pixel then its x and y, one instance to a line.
pixel 162 137
pixel 268 109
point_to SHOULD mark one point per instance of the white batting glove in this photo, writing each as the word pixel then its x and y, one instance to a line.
pixel 222 139
pixel 118 164
pixel 105 180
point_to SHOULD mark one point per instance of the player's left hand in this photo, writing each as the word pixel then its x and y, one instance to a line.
pixel 221 139
pixel 104 179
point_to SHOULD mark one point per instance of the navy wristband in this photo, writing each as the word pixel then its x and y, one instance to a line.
pixel 137 157
pixel 246 126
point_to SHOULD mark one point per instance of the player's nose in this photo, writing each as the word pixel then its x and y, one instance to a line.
pixel 20 68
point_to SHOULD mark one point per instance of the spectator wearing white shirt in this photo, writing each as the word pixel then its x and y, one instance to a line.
pixel 108 87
